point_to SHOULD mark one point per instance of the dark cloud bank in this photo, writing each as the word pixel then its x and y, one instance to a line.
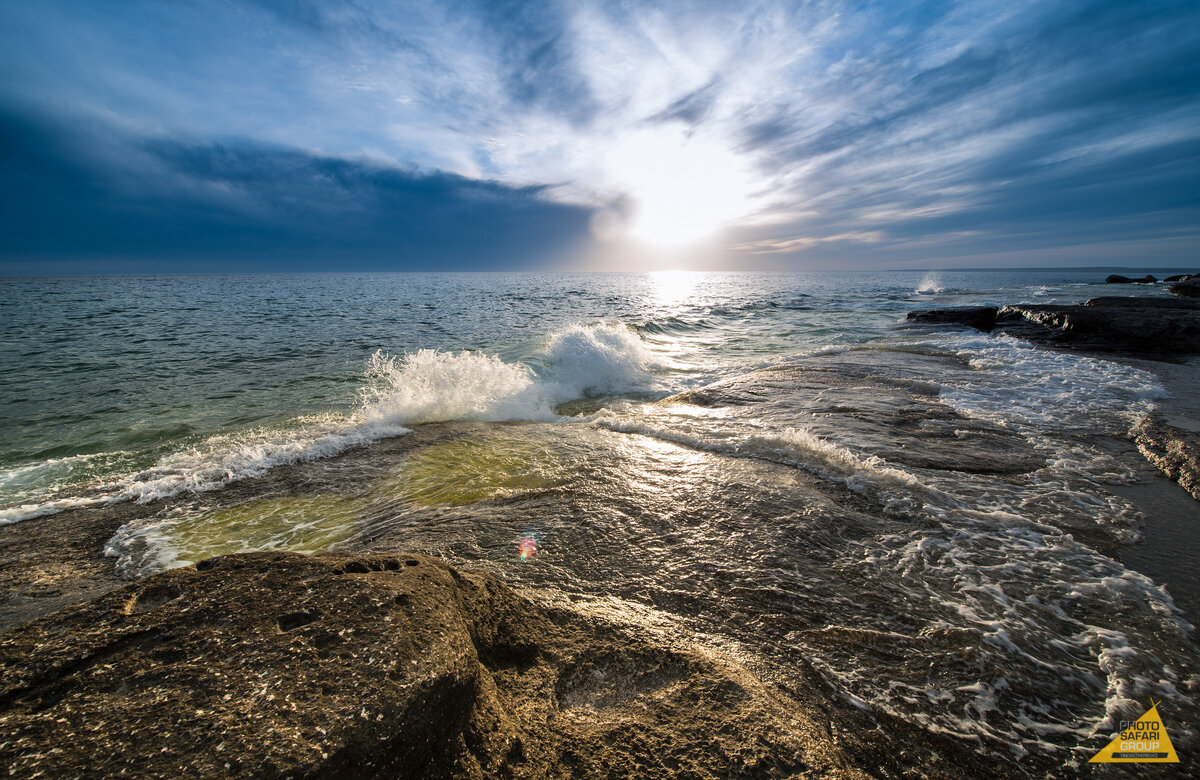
pixel 79 198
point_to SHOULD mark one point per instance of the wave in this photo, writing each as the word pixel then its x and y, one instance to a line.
pixel 577 361
pixel 601 359
pixel 670 326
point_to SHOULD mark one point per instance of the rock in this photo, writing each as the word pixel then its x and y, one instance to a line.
pixel 1119 279
pixel 285 665
pixel 1178 278
pixel 1137 326
pixel 1188 288
pixel 1173 451
pixel 879 401
pixel 1133 326
pixel 1119 305
pixel 978 317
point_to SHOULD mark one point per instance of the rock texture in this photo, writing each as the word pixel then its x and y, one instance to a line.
pixel 284 665
pixel 1136 326
pixel 1173 451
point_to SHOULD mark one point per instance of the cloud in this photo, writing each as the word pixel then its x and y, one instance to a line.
pixel 932 125
pixel 215 204
pixel 786 245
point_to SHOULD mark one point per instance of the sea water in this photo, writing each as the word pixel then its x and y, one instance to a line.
pixel 475 415
pixel 140 386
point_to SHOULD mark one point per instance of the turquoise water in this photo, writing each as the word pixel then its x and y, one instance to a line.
pixel 209 377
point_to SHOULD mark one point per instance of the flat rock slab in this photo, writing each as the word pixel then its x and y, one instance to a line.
pixel 881 403
pixel 284 665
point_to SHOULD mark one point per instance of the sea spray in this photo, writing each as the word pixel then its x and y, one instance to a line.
pixel 931 284
pixel 432 386
pixel 598 359
pixel 577 361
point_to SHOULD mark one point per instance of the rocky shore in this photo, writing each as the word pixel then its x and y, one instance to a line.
pixel 1140 328
pixel 863 556
pixel 1152 327
pixel 285 665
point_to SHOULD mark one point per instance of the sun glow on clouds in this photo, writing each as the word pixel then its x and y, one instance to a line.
pixel 695 134
pixel 680 188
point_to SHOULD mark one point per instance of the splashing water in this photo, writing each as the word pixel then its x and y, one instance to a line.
pixel 930 285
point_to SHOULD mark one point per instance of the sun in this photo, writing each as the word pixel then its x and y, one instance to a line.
pixel 683 188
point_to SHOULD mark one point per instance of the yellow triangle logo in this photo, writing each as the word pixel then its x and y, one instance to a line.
pixel 1144 740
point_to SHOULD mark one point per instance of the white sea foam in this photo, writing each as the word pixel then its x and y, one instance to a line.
pixel 397 392
pixel 15 514
pixel 1023 386
pixel 431 386
pixel 30 488
pixel 225 458
pixel 598 359
pixel 579 360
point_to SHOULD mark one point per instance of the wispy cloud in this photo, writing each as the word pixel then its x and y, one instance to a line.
pixel 876 131
pixel 774 246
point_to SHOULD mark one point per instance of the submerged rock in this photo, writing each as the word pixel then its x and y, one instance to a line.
pixel 285 665
pixel 883 403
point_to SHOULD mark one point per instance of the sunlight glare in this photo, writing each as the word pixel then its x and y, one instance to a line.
pixel 674 286
pixel 685 188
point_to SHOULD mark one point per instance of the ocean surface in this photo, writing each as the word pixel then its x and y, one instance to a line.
pixel 515 422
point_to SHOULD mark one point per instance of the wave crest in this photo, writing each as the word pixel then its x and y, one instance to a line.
pixel 432 386
pixel 600 359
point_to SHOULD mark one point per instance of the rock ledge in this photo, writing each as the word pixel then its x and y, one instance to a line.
pixel 284 665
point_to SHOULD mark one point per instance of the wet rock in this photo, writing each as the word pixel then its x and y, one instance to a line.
pixel 1178 278
pixel 285 665
pixel 1135 326
pixel 882 402
pixel 1173 451
pixel 1119 279
pixel 978 317
pixel 1187 288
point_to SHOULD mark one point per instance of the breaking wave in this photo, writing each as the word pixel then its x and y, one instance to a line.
pixel 397 391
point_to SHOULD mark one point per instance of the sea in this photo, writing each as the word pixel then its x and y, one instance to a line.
pixel 774 466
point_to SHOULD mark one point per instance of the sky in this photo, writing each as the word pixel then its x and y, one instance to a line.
pixel 223 135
